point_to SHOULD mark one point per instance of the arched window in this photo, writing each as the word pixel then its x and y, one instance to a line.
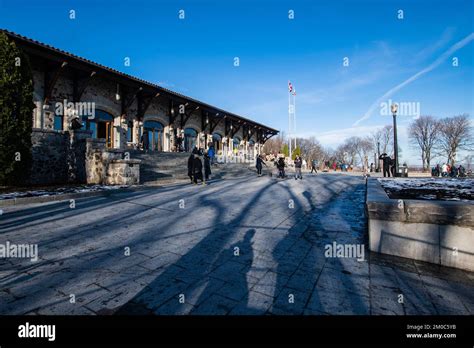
pixel 251 149
pixel 236 142
pixel 217 141
pixel 190 139
pixel 101 126
pixel 154 131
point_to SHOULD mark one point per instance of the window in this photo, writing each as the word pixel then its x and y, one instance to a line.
pixel 130 132
pixel 236 142
pixel 190 139
pixel 101 126
pixel 58 122
pixel 154 130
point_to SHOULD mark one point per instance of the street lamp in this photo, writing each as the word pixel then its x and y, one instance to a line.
pixel 378 156
pixel 394 108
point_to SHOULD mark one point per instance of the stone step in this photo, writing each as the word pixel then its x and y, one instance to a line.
pixel 160 167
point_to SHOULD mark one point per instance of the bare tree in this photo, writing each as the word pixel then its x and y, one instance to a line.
pixel 347 152
pixel 274 145
pixel 468 161
pixel 311 149
pixel 424 132
pixel 364 147
pixel 455 135
pixel 382 138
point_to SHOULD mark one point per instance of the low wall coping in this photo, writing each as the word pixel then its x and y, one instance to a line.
pixel 381 207
pixel 129 161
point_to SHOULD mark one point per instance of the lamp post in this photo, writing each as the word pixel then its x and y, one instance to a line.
pixel 394 108
pixel 378 156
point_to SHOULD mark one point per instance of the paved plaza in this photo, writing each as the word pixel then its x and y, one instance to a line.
pixel 243 246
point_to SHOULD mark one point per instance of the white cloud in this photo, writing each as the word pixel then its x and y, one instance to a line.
pixel 338 136
pixel 415 77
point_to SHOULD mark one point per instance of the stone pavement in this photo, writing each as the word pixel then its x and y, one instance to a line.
pixel 243 246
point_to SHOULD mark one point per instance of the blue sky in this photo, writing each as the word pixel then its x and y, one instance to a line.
pixel 195 56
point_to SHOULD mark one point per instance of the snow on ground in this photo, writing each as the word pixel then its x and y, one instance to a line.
pixel 453 189
pixel 59 190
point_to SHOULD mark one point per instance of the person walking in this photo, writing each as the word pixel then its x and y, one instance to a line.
pixel 197 169
pixel 207 166
pixel 314 165
pixel 298 164
pixel 258 165
pixel 190 167
pixel 281 167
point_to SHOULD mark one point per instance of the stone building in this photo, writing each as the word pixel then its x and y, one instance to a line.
pixel 120 108
pixel 88 118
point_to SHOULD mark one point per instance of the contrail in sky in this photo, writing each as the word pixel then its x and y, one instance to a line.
pixel 415 77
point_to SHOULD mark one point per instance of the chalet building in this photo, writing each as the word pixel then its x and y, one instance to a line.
pixel 120 108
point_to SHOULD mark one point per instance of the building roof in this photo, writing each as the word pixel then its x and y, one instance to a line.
pixel 96 66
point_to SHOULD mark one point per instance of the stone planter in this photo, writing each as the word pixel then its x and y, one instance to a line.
pixel 440 232
pixel 123 172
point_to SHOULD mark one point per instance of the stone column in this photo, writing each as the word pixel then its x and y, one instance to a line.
pixel 136 131
pixel 95 168
pixel 224 149
pixel 77 155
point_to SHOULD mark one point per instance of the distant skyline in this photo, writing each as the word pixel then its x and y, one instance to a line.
pixel 410 60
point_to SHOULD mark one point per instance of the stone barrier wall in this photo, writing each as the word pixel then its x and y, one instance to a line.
pixel 104 166
pixel 50 157
pixel 74 157
pixel 440 232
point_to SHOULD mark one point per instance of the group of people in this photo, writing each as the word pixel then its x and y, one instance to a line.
pixel 448 171
pixel 280 164
pixel 195 166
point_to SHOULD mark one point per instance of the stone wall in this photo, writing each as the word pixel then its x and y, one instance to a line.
pixel 123 172
pixel 77 155
pixel 58 157
pixel 50 157
pixel 104 166
pixel 440 232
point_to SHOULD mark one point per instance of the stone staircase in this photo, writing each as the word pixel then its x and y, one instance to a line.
pixel 158 168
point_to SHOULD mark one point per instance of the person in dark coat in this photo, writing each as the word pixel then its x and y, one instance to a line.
pixel 197 169
pixel 207 166
pixel 281 167
pixel 454 172
pixel 190 167
pixel 298 163
pixel 258 165
pixel 386 160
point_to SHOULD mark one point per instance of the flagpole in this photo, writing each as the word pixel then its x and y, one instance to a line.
pixel 294 115
pixel 289 123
